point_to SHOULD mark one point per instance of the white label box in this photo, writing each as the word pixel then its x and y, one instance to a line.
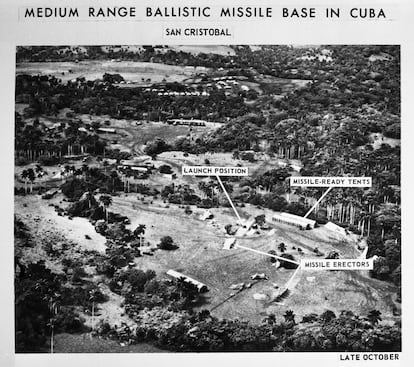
pixel 314 181
pixel 214 171
pixel 337 264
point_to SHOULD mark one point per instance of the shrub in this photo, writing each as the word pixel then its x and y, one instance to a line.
pixel 68 321
pixel 287 264
pixel 310 317
pixel 78 274
pixel 272 259
pixel 167 243
pixel 165 168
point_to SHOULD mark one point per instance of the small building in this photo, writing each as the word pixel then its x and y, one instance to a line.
pixel 170 176
pixel 245 226
pixel 229 243
pixel 248 223
pixel 294 220
pixel 107 130
pixel 335 228
pixel 259 276
pixel 139 169
pixel 186 122
pixel 137 162
pixel 133 168
pixel 177 275
pixel 207 215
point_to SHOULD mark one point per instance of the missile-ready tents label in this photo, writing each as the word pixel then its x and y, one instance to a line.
pixel 314 181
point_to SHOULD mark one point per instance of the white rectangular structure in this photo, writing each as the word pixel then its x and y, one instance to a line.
pixel 335 228
pixel 294 220
pixel 175 274
pixel 229 243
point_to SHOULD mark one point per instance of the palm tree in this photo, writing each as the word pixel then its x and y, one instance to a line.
pixel 85 170
pixel 374 317
pixel 99 160
pixel 281 247
pixel 105 164
pixel 106 200
pixel 25 175
pixel 93 293
pixel 32 177
pixel 289 316
pixel 114 176
pixel 39 171
pixel 54 306
pixel 89 196
pixel 139 232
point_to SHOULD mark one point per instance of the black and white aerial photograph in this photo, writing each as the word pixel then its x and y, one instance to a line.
pixel 191 198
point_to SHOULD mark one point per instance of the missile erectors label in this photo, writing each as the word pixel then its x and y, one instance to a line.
pixel 214 171
pixel 331 181
pixel 337 264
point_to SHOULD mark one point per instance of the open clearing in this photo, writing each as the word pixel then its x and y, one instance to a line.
pixel 200 255
pixel 205 49
pixel 132 137
pixel 132 71
pixel 42 219
pixel 378 139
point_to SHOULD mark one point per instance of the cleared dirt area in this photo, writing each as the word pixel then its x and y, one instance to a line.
pixel 131 135
pixel 43 221
pixel 378 139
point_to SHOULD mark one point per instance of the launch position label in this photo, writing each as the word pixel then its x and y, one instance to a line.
pixel 314 181
pixel 214 171
pixel 337 264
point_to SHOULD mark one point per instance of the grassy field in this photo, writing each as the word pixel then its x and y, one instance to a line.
pixel 200 252
pixel 201 256
pixel 132 71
